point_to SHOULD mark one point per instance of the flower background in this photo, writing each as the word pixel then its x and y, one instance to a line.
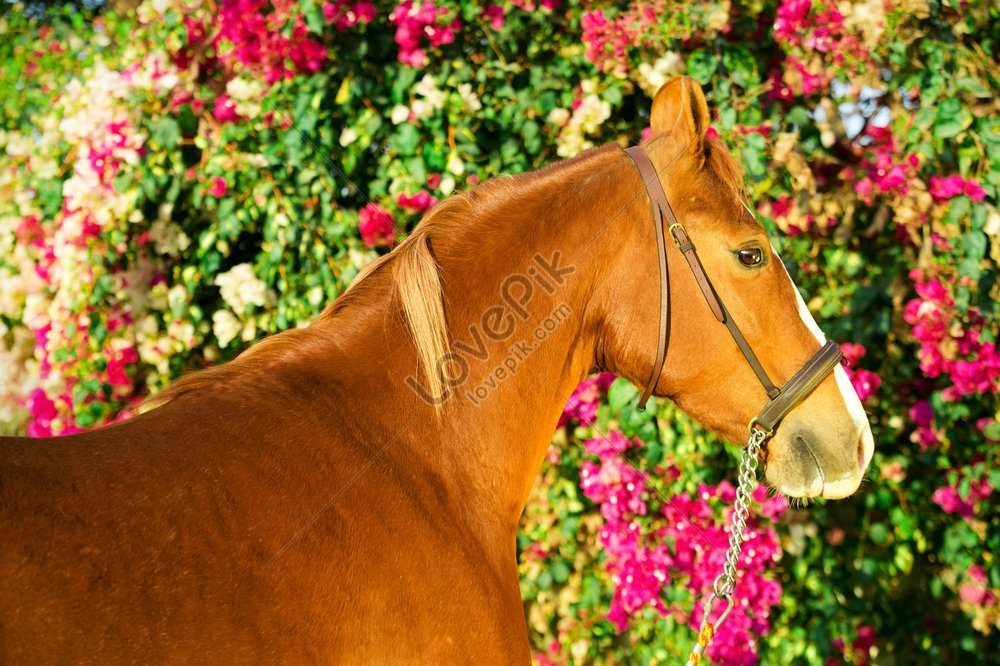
pixel 185 176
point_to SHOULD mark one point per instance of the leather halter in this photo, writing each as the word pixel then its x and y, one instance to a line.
pixel 782 400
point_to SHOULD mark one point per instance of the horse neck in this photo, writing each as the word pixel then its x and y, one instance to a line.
pixel 523 264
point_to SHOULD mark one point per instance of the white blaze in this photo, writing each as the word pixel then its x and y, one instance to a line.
pixel 851 400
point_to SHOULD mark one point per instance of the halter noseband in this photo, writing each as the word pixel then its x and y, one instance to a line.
pixel 782 400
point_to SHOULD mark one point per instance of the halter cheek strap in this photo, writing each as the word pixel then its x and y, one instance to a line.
pixel 781 401
pixel 658 200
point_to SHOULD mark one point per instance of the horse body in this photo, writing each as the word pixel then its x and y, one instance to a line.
pixel 174 535
pixel 328 496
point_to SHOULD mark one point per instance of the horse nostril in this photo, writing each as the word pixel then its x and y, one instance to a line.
pixel 866 446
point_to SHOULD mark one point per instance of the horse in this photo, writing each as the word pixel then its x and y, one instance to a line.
pixel 349 492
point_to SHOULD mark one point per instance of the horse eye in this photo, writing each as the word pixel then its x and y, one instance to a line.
pixel 751 256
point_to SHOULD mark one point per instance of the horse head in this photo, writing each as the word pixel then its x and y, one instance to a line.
pixel 823 445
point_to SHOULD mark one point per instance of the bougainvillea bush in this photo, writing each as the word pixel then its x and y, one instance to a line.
pixel 179 181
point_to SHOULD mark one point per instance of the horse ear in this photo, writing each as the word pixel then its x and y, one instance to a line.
pixel 680 108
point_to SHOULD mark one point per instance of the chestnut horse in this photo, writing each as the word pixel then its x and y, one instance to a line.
pixel 350 492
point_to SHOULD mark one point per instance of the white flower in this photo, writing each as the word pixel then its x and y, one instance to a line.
pixel 225 327
pixel 246 95
pixel 447 185
pixel 455 164
pixel 591 113
pixel 399 114
pixel 240 288
pixel 469 98
pixel 360 258
pixel 18 373
pixel 428 89
pixel 558 116
pixel 177 297
pixel 422 109
pixel 241 89
pixel 651 76
pixel 168 238
pixel 182 333
pixel 586 119
pixel 348 136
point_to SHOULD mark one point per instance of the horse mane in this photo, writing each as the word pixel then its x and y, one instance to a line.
pixel 416 277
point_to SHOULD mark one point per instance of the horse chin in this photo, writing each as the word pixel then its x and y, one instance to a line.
pixel 805 479
pixel 795 482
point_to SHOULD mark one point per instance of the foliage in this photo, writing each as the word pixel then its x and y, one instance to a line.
pixel 186 180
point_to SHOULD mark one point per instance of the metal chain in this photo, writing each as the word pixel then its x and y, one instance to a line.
pixel 724 585
pixel 746 484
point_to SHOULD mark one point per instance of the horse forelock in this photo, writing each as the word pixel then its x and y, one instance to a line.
pixel 726 168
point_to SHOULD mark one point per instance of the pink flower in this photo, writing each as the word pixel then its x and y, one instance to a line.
pixel 582 405
pixel 343 14
pixel 864 187
pixel 195 30
pixel 417 203
pixel 971 363
pixel 269 39
pixel 42 410
pixel 865 383
pixel 376 226
pixel 944 188
pixel 40 406
pixel 922 416
pixel 852 353
pixel 949 499
pixel 225 110
pixel 688 550
pixel 417 21
pixel 218 188
pixel 494 16
pixel 609 40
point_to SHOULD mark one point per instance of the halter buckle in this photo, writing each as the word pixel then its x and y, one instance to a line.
pixel 681 240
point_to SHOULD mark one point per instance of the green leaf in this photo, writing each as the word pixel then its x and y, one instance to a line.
pixel 620 394
pixel 878 533
pixel 560 572
pixel 165 132
pixel 971 85
pixel 406 139
pixel 974 246
pixel 951 119
pixel 740 65
pixel 187 121
pixel 314 16
pixel 701 66
pixel 532 136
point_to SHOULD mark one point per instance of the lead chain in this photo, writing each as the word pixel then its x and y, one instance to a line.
pixel 724 585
